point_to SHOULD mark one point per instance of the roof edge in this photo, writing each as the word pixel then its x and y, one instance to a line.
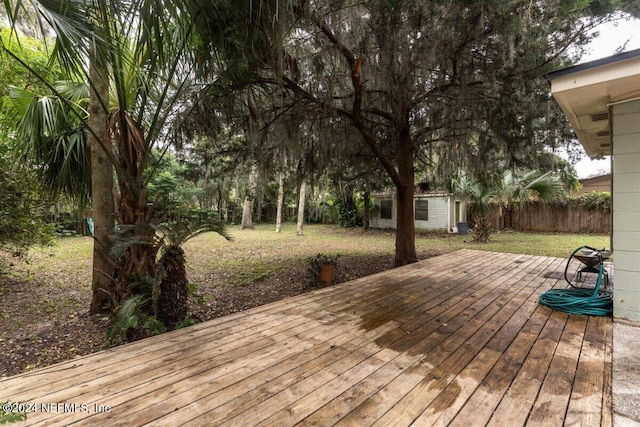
pixel 623 56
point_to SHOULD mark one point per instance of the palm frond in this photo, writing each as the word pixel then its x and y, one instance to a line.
pixel 127 235
pixel 481 196
pixel 56 143
pixel 530 185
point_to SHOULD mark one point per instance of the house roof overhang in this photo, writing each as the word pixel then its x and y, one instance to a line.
pixel 586 91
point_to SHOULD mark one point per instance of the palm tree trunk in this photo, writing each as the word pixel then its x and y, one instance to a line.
pixel 247 210
pixel 102 196
pixel 367 211
pixel 302 196
pixel 280 202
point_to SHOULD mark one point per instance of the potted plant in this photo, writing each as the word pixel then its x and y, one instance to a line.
pixel 322 268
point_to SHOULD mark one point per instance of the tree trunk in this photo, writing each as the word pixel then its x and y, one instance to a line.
pixel 367 211
pixel 405 225
pixel 247 209
pixel 280 202
pixel 301 197
pixel 224 212
pixel 405 228
pixel 101 196
pixel 481 229
pixel 174 287
pixel 508 216
pixel 138 264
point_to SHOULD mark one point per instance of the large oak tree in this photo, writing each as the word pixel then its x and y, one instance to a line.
pixel 412 76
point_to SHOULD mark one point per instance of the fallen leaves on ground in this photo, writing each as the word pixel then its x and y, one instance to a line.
pixel 44 321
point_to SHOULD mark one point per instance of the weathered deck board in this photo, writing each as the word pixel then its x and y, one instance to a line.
pixel 457 339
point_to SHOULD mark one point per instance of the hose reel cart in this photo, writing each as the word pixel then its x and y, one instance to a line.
pixel 583 300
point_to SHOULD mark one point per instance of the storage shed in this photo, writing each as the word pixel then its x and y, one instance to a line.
pixel 432 211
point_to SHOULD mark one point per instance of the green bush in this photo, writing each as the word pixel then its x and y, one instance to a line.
pixel 594 200
pixel 10 417
pixel 21 223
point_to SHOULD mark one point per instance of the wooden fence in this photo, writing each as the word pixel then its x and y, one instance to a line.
pixel 567 218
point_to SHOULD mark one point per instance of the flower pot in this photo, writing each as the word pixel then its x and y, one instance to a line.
pixel 325 275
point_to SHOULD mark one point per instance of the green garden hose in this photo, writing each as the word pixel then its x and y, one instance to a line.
pixel 590 302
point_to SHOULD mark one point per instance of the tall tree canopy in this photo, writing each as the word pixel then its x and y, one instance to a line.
pixel 436 83
pixel 447 82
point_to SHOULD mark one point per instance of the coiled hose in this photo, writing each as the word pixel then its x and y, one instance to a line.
pixel 589 302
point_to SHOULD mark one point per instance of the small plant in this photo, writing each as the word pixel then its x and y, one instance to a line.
pixel 132 324
pixel 8 416
pixel 163 297
pixel 319 260
pixel 316 270
pixel 187 321
pixel 127 317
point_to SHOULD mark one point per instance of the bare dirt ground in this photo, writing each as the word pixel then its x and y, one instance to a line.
pixel 44 320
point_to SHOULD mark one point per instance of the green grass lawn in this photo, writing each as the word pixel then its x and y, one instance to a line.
pixel 551 244
pixel 252 254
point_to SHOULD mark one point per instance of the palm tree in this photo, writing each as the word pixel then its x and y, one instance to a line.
pixel 484 197
pixel 481 197
pixel 138 59
pixel 171 304
pixel 164 296
pixel 517 188
pixel 138 68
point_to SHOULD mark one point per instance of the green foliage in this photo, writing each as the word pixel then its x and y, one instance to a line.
pixel 154 297
pixel 563 169
pixel 485 195
pixel 188 223
pixel 132 323
pixel 10 417
pixel 346 210
pixel 481 197
pixel 480 194
pixel 22 222
pixel 315 264
pixel 168 185
pixel 322 259
pixel 127 317
pixel 523 186
pixel 193 221
pixel 154 326
pixel 51 136
pixel 188 321
pixel 43 131
pixel 12 73
pixel 22 200
pixel 143 286
pixel 234 32
pixel 594 200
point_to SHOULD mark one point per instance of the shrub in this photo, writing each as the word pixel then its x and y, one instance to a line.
pixel 594 200
pixel 21 222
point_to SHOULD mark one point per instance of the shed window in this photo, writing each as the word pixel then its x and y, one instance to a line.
pixel 385 209
pixel 422 210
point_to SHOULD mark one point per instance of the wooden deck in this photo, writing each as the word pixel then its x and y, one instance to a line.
pixel 458 340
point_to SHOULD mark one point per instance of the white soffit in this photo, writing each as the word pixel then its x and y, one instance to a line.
pixel 584 92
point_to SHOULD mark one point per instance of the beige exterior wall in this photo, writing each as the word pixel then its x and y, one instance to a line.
pixel 442 213
pixel 598 183
pixel 439 208
pixel 626 209
pixel 376 222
